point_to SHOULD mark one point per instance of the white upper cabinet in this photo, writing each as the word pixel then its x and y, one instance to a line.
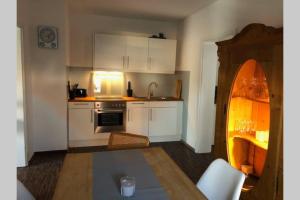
pixel 162 55
pixel 136 54
pixel 109 52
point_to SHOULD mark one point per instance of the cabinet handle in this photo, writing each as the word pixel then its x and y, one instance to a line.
pixel 127 62
pixel 128 115
pixel 149 62
pixel 123 59
pixel 138 103
pixel 80 104
pixel 92 116
pixel 150 114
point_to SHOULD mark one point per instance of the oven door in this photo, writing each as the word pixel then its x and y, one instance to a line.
pixel 109 120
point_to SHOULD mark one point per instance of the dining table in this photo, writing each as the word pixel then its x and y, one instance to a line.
pixel 95 175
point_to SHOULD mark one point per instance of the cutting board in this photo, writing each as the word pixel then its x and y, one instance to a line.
pixel 178 89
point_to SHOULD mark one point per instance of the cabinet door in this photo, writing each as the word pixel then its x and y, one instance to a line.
pixel 109 52
pixel 162 121
pixel 137 120
pixel 162 55
pixel 136 54
pixel 81 124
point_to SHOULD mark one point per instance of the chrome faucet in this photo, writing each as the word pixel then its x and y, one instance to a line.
pixel 150 90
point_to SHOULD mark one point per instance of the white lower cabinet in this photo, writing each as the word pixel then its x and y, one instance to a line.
pixel 137 118
pixel 161 121
pixel 81 123
pixel 81 126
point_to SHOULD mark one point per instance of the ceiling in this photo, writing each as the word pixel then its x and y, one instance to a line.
pixel 147 9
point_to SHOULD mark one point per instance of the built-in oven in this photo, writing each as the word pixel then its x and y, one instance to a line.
pixel 110 116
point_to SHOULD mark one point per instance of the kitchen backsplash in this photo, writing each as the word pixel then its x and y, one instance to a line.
pixel 82 76
pixel 139 82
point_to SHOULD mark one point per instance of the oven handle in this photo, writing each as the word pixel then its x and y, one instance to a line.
pixel 108 111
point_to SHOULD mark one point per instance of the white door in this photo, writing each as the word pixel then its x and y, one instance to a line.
pixel 162 55
pixel 162 121
pixel 137 118
pixel 81 124
pixel 21 123
pixel 209 79
pixel 136 54
pixel 109 52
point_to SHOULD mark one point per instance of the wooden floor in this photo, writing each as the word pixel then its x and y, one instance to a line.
pixel 41 175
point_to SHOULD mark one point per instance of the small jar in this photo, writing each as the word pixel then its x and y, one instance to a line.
pixel 127 186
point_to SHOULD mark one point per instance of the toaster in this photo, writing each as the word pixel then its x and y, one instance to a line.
pixel 79 92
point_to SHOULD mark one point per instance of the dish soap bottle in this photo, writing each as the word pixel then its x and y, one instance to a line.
pixel 129 90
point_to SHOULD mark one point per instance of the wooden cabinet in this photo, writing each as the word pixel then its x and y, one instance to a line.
pixel 134 54
pixel 264 45
pixel 162 55
pixel 160 120
pixel 137 118
pixel 109 52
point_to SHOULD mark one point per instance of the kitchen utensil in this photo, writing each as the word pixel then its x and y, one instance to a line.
pixel 70 92
pixel 75 86
pixel 178 89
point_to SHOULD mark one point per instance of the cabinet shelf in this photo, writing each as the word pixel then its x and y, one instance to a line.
pixel 267 101
pixel 250 138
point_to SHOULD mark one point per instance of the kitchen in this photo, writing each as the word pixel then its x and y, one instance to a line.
pixel 142 106
pixel 123 70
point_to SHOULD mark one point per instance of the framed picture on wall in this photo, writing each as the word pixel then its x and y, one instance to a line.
pixel 47 37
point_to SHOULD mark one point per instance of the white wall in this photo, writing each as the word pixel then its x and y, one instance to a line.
pixel 45 75
pixel 218 20
pixel 82 27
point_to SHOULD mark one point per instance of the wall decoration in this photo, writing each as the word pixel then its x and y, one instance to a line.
pixel 47 37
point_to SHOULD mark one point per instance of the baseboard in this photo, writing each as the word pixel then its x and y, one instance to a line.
pixel 213 149
pixel 188 146
pixel 168 138
pixel 88 143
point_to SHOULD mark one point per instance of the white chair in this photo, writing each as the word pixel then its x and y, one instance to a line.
pixel 23 193
pixel 221 181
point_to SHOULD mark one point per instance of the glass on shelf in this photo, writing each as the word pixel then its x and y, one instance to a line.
pixel 243 126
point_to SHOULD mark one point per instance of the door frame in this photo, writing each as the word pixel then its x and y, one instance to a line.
pixel 210 136
pixel 23 160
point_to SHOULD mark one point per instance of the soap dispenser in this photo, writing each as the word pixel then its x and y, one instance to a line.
pixel 129 90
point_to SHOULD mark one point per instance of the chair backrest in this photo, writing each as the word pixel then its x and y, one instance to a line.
pixel 221 181
pixel 127 141
pixel 23 193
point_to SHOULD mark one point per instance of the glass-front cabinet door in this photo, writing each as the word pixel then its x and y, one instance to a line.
pixel 248 119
